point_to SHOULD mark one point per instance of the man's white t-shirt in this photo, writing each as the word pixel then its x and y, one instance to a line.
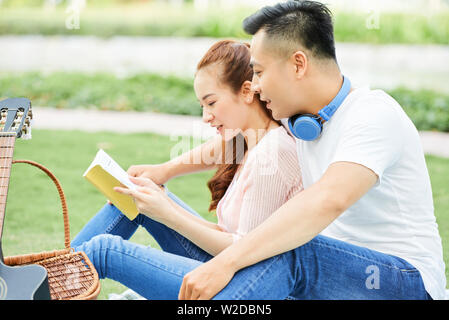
pixel 396 216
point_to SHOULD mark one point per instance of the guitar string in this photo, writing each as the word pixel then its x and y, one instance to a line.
pixel 5 159
pixel 4 183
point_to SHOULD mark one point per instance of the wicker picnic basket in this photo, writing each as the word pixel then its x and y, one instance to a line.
pixel 71 275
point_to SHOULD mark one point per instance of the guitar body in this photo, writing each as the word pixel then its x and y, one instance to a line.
pixel 23 283
pixel 27 282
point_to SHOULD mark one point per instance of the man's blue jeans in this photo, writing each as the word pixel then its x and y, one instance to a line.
pixel 323 268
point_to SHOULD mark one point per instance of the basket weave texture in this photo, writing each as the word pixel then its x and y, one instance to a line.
pixel 71 275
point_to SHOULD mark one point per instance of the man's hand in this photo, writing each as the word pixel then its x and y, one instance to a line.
pixel 204 282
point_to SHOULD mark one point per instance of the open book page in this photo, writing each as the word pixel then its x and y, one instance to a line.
pixel 114 169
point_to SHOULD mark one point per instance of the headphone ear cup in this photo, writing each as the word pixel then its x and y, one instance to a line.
pixel 291 125
pixel 305 127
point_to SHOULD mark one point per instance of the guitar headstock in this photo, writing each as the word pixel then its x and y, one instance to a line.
pixel 15 117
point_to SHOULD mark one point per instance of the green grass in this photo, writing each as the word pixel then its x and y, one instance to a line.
pixel 428 109
pixel 393 28
pixel 34 216
pixel 439 173
pixel 36 224
pixel 142 92
pixel 152 19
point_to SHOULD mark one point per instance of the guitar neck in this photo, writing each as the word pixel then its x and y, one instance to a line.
pixel 7 141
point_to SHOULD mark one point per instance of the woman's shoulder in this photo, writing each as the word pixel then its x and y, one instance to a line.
pixel 276 154
pixel 278 141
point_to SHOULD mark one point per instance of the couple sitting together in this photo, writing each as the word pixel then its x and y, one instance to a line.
pixel 321 189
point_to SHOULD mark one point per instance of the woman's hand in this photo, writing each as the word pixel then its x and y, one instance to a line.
pixel 150 200
pixel 156 172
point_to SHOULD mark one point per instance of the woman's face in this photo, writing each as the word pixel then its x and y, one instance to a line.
pixel 222 108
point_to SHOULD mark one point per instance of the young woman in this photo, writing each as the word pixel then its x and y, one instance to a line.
pixel 257 171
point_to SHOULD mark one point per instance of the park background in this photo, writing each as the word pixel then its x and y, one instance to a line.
pixel 128 56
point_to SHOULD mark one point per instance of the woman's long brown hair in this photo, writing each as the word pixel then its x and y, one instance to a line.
pixel 234 58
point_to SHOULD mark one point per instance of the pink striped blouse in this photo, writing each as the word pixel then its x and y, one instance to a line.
pixel 269 177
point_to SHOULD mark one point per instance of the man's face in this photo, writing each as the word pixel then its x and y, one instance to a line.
pixel 273 78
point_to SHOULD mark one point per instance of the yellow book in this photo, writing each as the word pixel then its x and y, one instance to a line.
pixel 105 174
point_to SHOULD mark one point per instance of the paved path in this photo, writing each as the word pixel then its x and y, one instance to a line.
pixel 380 66
pixel 435 143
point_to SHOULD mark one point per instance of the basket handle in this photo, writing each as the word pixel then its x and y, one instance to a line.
pixel 61 195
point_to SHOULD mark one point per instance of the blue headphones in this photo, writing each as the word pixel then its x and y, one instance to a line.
pixel 309 126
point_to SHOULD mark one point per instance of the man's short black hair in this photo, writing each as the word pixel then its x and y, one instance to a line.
pixel 305 23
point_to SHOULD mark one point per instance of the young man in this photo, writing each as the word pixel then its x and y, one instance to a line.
pixel 364 227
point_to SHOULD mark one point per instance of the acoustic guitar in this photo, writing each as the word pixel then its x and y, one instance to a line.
pixel 28 282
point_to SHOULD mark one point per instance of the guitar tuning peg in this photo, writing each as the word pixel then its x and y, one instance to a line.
pixel 26 133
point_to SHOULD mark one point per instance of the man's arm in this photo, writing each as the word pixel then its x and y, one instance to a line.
pixel 295 223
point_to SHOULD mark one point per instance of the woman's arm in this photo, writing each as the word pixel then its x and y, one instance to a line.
pixel 206 235
pixel 155 203
pixel 181 211
pixel 201 158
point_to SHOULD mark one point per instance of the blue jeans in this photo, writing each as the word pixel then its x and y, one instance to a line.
pixel 323 268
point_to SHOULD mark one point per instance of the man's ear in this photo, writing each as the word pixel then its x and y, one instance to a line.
pixel 246 92
pixel 299 63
